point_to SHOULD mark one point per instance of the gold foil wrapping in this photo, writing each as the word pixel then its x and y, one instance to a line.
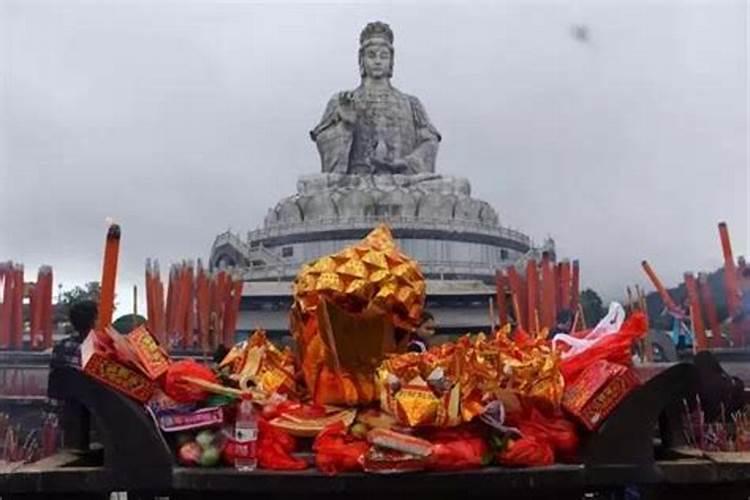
pixel 259 362
pixel 452 383
pixel 372 278
pixel 374 272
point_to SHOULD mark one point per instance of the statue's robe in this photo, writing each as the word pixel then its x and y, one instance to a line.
pixel 390 125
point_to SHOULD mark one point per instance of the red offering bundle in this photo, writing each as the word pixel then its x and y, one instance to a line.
pixel 275 449
pixel 336 451
pixel 526 452
pixel 177 383
pixel 101 362
pixel 597 391
pixel 458 449
pixel 614 348
pixel 556 430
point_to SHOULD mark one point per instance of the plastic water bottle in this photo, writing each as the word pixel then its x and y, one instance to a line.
pixel 246 436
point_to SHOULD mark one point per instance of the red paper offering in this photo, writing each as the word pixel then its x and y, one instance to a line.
pixel 150 355
pixel 101 367
pixel 597 391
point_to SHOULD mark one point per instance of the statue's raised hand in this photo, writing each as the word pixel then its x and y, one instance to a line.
pixel 347 113
pixel 397 166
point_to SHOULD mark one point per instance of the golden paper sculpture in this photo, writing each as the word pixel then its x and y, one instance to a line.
pixel 347 307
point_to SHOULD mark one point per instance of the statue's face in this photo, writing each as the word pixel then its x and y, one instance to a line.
pixel 377 61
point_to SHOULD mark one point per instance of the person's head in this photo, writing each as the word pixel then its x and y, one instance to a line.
pixel 745 278
pixel 376 51
pixel 426 328
pixel 82 316
pixel 564 321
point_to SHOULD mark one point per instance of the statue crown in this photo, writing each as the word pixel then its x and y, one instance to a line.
pixel 375 30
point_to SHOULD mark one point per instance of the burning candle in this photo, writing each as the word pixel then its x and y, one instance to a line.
pixel 109 277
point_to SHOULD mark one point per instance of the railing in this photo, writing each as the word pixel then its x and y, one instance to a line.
pixel 399 222
pixel 433 267
pixel 229 238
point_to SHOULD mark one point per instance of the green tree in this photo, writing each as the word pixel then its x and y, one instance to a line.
pixel 593 307
pixel 89 291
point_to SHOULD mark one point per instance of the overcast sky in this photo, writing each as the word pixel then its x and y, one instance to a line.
pixel 182 119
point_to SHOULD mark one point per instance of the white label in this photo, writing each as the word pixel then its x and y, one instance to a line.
pixel 245 435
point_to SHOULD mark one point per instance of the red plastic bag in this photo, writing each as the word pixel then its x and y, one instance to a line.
pixel 182 391
pixel 526 452
pixel 268 432
pixel 275 449
pixel 273 455
pixel 458 449
pixel 336 451
pixel 614 348
pixel 559 432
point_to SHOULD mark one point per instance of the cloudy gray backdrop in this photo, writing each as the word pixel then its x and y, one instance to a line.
pixel 182 119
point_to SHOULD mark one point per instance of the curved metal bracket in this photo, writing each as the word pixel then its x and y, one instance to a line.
pixel 135 453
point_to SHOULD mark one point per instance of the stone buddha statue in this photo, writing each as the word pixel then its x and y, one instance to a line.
pixel 375 128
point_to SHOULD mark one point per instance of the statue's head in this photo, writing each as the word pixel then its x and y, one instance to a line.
pixel 376 51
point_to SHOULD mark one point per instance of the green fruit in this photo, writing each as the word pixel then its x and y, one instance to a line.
pixel 358 430
pixel 210 457
pixel 205 438
pixel 183 438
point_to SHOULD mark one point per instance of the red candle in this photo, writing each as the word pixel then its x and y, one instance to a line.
pixel 109 277
pixel 695 311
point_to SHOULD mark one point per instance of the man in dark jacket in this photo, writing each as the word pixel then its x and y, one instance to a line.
pixel 82 317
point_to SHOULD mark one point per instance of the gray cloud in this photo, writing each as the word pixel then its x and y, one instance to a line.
pixel 180 120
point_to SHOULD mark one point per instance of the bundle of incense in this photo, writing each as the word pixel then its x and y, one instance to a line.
pixel 575 286
pixel 500 297
pixel 35 309
pixel 202 306
pixel 150 299
pixel 40 295
pixel 30 447
pixel 707 298
pixel 538 293
pixel 6 303
pixel 171 289
pixel 532 285
pixel 696 314
pixel 50 435
pixel 160 322
pixel 630 305
pixel 548 291
pixel 689 426
pixel 701 422
pixel 258 397
pixel 564 284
